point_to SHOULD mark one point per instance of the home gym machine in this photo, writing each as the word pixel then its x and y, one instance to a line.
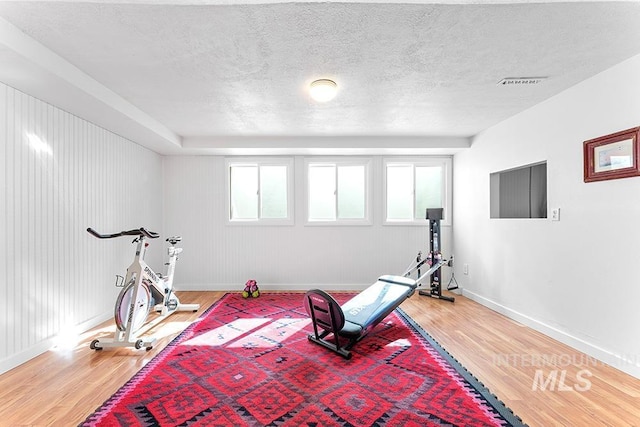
pixel 339 327
pixel 434 259
pixel 143 291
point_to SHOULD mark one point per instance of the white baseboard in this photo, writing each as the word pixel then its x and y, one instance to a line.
pixel 627 365
pixel 24 356
pixel 274 287
pixel 18 359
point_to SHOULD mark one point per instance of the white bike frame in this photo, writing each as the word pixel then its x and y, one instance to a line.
pixel 145 284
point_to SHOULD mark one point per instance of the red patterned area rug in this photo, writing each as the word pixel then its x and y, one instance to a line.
pixel 247 362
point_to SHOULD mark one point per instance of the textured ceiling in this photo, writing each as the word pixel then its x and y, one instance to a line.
pixel 213 77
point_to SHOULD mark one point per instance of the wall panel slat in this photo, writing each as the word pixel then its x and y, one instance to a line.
pixel 61 174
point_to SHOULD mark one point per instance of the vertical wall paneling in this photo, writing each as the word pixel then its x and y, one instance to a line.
pixel 4 172
pixel 61 174
pixel 218 255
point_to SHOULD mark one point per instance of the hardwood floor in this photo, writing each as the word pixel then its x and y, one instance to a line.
pixel 62 387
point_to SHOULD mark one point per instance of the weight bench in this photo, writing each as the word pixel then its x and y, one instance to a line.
pixel 358 316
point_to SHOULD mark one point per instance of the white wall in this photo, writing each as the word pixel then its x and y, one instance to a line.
pixel 221 256
pixel 577 279
pixel 54 277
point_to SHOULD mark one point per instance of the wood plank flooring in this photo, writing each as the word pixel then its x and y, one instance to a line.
pixel 62 387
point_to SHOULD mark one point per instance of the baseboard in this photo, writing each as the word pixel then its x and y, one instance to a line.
pixel 273 287
pixel 617 361
pixel 48 344
pixel 18 359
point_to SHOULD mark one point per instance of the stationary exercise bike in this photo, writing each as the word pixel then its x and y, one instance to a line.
pixel 143 290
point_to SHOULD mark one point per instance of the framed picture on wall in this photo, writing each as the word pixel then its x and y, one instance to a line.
pixel 612 156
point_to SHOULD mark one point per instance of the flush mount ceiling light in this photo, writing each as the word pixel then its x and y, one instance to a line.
pixel 323 90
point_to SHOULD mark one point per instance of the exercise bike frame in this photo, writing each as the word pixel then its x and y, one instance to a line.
pixel 142 278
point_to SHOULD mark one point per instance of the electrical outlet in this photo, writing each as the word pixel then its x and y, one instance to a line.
pixel 555 214
pixel 465 268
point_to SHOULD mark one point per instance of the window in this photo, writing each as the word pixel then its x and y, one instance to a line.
pixel 260 191
pixel 338 191
pixel 519 192
pixel 413 186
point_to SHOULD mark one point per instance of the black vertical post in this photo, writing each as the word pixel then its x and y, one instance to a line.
pixel 435 216
pixel 434 232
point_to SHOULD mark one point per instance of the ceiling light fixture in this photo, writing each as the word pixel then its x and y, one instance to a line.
pixel 323 90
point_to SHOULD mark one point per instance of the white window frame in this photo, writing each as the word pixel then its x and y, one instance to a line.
pixel 445 162
pixel 339 161
pixel 258 161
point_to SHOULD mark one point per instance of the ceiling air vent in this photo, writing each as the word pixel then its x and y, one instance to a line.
pixel 521 81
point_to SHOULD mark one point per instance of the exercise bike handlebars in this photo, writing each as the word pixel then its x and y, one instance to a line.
pixel 135 232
